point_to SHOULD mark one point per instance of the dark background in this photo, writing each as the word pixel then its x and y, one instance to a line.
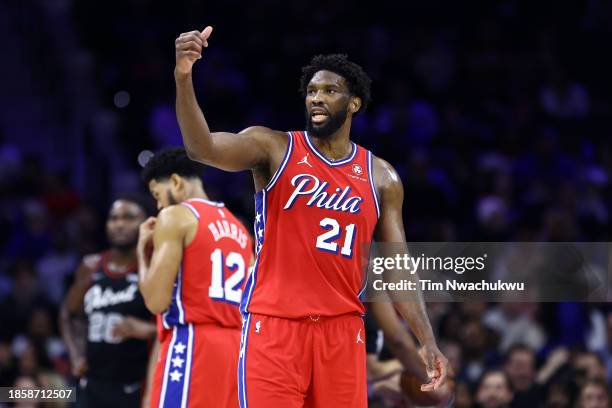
pixel 496 114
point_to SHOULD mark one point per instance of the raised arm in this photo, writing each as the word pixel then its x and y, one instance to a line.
pixel 390 229
pixel 160 250
pixel 252 148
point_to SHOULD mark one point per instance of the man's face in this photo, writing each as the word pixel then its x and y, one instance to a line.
pixel 327 103
pixel 122 224
pixel 494 392
pixel 162 193
pixel 590 365
pixel 594 396
pixel 520 368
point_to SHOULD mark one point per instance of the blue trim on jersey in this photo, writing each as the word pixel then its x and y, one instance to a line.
pixel 189 365
pixel 260 211
pixel 371 177
pixel 325 159
pixel 365 284
pixel 244 339
pixel 175 314
pixel 177 370
pixel 281 168
pixel 162 395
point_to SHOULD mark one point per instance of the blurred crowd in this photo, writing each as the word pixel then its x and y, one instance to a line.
pixel 496 117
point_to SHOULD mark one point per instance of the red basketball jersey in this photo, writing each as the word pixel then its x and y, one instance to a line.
pixel 314 220
pixel 209 283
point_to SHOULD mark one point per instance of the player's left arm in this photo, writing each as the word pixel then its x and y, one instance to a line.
pixel 390 229
pixel 160 252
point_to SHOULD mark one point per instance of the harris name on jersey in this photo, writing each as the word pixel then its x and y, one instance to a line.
pixel 226 229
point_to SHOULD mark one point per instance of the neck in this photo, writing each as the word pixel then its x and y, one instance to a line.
pixel 195 190
pixel 336 146
pixel 123 256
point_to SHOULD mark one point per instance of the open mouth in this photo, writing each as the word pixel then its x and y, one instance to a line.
pixel 318 116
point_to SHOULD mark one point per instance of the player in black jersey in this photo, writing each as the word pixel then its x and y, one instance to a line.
pixel 112 365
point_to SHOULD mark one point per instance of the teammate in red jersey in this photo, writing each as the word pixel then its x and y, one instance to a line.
pixel 321 200
pixel 193 261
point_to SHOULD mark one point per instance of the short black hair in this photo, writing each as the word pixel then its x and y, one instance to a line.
pixel 518 347
pixel 358 81
pixel 141 200
pixel 169 161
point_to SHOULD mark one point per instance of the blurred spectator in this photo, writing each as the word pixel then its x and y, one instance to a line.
pixel 41 331
pixel 588 367
pixel 520 367
pixel 606 351
pixel 558 396
pixel 594 394
pixel 17 308
pixel 26 382
pixel 463 396
pixel 494 390
pixel 30 240
pixel 31 359
pixel 515 323
pixel 478 349
pixel 56 266
pixel 8 364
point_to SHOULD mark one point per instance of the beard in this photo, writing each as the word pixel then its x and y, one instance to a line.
pixel 327 128
pixel 171 199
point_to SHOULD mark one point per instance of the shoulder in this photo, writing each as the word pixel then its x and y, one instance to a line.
pixel 265 135
pixel 175 217
pixel 87 267
pixel 91 261
pixel 386 179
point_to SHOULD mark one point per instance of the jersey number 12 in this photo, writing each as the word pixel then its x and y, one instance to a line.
pixel 226 289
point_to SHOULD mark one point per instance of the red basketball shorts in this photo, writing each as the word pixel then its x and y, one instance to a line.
pixel 197 368
pixel 293 363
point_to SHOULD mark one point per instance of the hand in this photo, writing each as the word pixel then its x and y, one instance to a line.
pixel 133 328
pixel 558 357
pixel 189 48
pixel 145 237
pixel 78 366
pixel 436 365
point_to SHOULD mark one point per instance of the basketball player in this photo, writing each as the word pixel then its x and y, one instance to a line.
pixel 321 200
pixel 119 327
pixel 193 262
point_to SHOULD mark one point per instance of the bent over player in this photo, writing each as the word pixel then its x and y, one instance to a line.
pixel 193 261
pixel 321 199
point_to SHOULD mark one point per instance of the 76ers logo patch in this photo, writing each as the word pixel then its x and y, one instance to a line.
pixel 357 172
